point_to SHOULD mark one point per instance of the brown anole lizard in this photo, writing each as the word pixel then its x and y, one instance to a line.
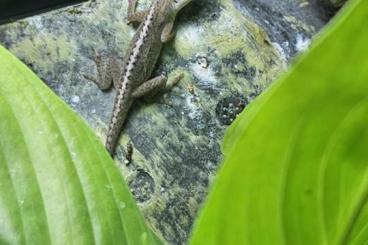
pixel 131 79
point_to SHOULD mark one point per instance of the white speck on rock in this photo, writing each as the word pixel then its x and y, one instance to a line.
pixel 206 76
pixel 280 50
pixel 75 99
pixel 194 112
pixel 302 43
pixel 202 61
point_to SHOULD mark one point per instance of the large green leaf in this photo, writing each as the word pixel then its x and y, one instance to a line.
pixel 57 183
pixel 296 167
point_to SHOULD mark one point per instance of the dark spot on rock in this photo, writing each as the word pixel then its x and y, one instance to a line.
pixel 142 186
pixel 229 108
pixel 203 10
pixel 240 66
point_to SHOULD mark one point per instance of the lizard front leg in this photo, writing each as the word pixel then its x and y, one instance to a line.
pixel 106 72
pixel 155 85
pixel 167 33
pixel 133 15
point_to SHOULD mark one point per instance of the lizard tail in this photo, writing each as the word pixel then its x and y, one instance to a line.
pixel 116 124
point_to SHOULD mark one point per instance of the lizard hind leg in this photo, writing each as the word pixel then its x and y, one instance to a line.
pixel 155 85
pixel 150 87
pixel 173 81
pixel 115 71
pixel 104 78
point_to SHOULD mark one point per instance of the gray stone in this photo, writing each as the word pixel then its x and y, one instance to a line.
pixel 229 51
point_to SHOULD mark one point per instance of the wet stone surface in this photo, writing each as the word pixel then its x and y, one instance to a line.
pixel 229 51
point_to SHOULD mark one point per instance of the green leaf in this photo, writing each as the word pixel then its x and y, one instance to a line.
pixel 296 167
pixel 58 185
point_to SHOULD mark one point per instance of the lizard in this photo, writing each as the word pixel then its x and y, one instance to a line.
pixel 131 79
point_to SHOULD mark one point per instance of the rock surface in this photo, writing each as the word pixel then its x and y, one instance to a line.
pixel 335 3
pixel 229 51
